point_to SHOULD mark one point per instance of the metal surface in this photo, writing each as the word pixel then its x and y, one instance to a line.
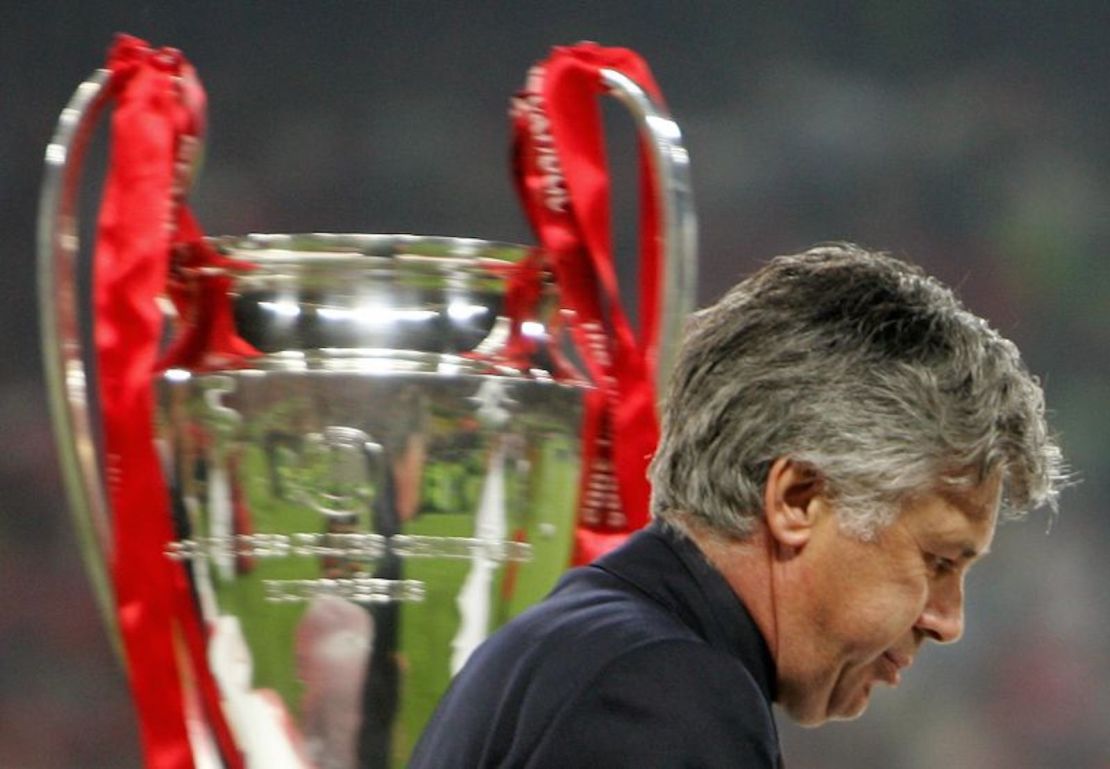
pixel 675 202
pixel 59 317
pixel 384 486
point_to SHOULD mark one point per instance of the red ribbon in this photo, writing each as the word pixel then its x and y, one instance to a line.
pixel 156 127
pixel 562 178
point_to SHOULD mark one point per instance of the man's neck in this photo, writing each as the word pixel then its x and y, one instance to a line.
pixel 747 565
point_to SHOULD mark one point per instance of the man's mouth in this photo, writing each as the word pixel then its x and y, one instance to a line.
pixel 891 664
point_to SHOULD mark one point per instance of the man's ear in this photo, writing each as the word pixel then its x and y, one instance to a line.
pixel 793 500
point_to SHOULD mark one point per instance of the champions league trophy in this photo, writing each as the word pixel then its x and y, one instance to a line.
pixel 391 473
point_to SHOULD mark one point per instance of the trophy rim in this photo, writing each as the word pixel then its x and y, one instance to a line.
pixel 365 250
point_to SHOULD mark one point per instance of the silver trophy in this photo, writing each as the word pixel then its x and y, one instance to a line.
pixel 380 489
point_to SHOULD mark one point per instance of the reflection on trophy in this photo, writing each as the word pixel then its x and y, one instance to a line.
pixel 358 505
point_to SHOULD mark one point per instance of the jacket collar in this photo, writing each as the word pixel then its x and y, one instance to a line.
pixel 696 592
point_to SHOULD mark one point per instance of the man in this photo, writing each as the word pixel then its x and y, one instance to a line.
pixel 838 441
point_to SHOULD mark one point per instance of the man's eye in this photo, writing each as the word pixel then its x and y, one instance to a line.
pixel 941 565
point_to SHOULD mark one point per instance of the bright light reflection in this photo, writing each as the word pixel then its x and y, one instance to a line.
pixel 284 307
pixel 532 328
pixel 376 365
pixel 374 315
pixel 56 153
pixel 461 311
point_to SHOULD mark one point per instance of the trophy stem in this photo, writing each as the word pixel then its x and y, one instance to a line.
pixel 63 356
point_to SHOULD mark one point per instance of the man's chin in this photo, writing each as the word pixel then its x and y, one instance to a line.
pixel 849 715
pixel 839 706
pixel 851 707
pixel 813 717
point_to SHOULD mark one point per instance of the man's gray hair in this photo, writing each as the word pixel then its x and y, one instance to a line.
pixel 861 367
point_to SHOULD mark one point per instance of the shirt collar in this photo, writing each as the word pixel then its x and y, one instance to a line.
pixel 696 592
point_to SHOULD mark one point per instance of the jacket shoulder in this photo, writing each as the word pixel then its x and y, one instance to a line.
pixel 664 703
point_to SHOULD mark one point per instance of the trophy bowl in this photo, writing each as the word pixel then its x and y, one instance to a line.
pixel 362 503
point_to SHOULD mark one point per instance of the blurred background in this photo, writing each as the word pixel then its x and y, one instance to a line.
pixel 973 138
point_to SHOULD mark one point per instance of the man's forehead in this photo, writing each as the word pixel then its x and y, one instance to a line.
pixel 979 502
pixel 964 519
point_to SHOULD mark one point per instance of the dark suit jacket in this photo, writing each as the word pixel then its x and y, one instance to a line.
pixel 645 659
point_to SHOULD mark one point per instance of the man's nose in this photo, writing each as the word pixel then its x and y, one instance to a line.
pixel 943 616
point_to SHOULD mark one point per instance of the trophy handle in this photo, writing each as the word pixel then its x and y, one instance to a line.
pixel 674 198
pixel 62 349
